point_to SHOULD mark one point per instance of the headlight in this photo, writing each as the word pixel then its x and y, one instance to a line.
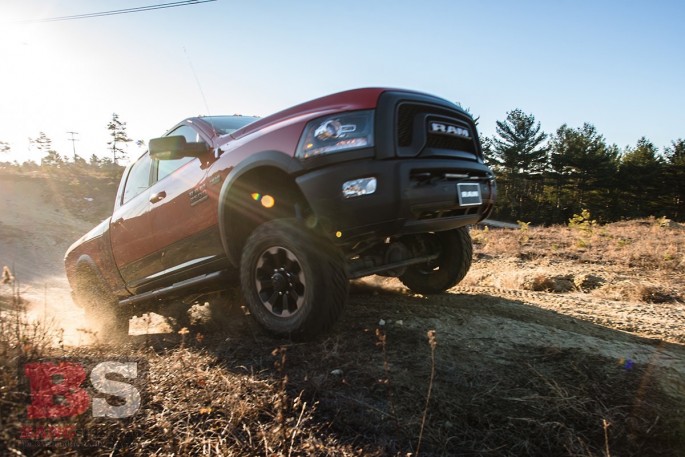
pixel 341 132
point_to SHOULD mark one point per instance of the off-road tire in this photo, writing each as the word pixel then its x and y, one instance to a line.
pixel 454 261
pixel 101 308
pixel 293 281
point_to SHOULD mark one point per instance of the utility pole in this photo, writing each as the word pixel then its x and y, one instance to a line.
pixel 73 143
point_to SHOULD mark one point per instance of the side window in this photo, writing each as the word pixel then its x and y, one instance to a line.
pixel 166 167
pixel 138 178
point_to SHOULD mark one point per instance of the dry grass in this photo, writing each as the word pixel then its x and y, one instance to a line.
pixel 640 261
pixel 19 335
pixel 650 244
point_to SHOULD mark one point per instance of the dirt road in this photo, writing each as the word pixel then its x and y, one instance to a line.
pixel 516 372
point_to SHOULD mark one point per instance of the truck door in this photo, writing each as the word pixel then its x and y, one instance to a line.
pixel 183 216
pixel 131 230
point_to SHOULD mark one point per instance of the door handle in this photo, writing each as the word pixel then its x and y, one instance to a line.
pixel 157 197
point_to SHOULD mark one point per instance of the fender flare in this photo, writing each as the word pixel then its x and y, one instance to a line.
pixel 86 262
pixel 86 265
pixel 270 158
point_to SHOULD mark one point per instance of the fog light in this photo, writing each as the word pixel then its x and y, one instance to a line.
pixel 359 187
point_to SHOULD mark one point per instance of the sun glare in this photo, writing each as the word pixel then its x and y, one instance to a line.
pixel 13 32
pixel 20 45
pixel 31 60
pixel 13 36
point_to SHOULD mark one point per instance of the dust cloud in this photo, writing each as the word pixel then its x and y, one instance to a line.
pixel 52 307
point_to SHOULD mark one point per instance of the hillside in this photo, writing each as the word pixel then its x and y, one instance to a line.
pixel 560 341
pixel 41 214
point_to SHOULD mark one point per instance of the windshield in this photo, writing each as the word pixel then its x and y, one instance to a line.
pixel 229 124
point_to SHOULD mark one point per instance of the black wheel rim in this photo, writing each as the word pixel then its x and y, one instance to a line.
pixel 280 282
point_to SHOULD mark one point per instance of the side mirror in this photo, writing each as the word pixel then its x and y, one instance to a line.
pixel 175 147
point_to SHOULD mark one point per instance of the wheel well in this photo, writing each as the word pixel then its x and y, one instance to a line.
pixel 248 204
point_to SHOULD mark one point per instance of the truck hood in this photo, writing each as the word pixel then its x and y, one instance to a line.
pixel 351 100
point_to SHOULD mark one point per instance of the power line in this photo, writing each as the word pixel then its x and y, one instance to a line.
pixel 116 12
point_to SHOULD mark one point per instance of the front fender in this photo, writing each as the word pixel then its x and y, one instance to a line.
pixel 265 159
pixel 94 252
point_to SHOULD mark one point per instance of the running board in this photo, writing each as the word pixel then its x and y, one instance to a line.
pixel 165 292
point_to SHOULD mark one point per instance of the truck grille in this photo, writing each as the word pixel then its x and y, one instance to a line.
pixel 417 136
pixel 405 119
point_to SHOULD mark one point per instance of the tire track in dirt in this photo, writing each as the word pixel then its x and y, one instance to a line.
pixel 659 321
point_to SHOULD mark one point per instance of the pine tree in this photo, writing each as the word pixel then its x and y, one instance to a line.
pixel 42 142
pixel 4 149
pixel 644 154
pixel 676 152
pixel 117 130
pixel 49 157
pixel 520 148
pixel 518 155
pixel 583 168
pixel 52 159
pixel 675 173
pixel 642 180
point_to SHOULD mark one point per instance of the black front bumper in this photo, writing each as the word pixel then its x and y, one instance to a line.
pixel 412 196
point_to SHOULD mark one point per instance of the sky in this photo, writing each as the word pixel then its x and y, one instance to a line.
pixel 619 65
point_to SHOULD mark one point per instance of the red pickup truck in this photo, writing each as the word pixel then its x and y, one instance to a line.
pixel 368 181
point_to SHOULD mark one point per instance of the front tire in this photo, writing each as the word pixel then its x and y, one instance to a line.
pixel 102 309
pixel 454 261
pixel 293 283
